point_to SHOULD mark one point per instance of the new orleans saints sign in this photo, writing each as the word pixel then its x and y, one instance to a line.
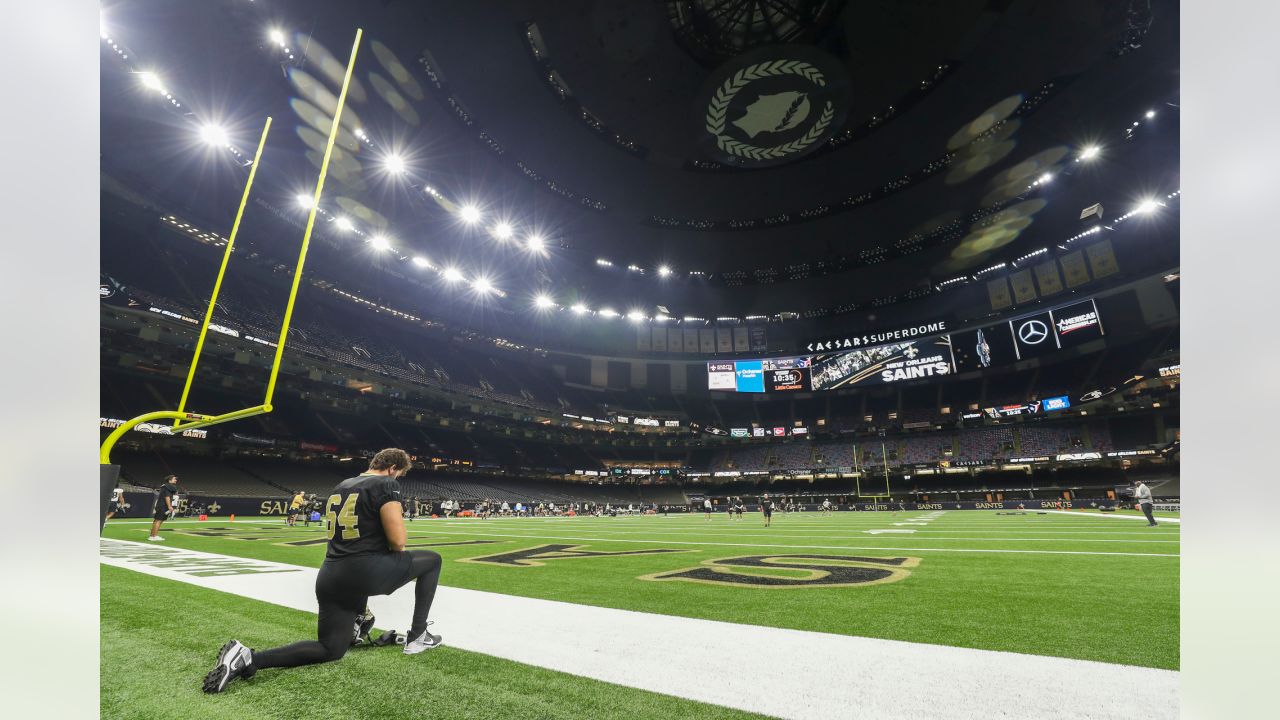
pixel 772 105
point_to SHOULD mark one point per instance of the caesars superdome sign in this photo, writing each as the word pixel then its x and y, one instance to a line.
pixel 772 105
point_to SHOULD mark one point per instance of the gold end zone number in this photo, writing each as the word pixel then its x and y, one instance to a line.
pixel 346 517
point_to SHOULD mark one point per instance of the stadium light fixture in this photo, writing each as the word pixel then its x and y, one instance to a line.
pixel 305 201
pixel 536 244
pixel 470 214
pixel 421 261
pixel 1151 114
pixel 635 316
pixel 578 308
pixel 213 135
pixel 380 243
pixel 394 164
pixel 503 231
pixel 543 301
pixel 608 312
pixel 603 263
pixel 151 80
pixel 1148 205
pixel 1045 178
pixel 664 271
pixel 452 274
pixel 482 286
pixel 1090 152
pixel 277 36
pixel 344 224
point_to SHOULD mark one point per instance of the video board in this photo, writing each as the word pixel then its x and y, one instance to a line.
pixel 930 357
pixel 1027 336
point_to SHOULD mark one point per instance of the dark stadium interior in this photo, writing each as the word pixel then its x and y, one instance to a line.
pixel 611 257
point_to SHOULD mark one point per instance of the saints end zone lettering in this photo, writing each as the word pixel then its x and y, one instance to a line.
pixel 822 571
pixel 529 557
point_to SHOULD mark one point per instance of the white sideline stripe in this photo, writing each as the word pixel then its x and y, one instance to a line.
pixel 1113 516
pixel 730 664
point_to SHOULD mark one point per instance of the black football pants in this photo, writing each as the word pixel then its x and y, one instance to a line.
pixel 1146 510
pixel 343 588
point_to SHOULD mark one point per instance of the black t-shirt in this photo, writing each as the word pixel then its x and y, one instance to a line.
pixel 352 516
pixel 170 490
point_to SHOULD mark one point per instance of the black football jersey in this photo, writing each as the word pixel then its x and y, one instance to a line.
pixel 170 490
pixel 352 515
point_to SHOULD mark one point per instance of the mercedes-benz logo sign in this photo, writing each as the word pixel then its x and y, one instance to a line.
pixel 1033 332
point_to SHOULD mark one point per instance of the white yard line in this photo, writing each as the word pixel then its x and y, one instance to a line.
pixel 791 674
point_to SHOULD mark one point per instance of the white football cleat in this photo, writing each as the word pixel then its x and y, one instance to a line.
pixel 423 642
pixel 156 538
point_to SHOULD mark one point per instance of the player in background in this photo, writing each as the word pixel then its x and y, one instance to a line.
pixel 366 556
pixel 706 507
pixel 766 508
pixel 295 507
pixel 117 502
pixel 826 506
pixel 166 505
pixel 1142 496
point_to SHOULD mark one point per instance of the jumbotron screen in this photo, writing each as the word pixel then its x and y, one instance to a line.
pixel 1022 337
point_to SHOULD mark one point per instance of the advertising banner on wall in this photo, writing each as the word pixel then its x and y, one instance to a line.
pixel 1033 335
pixel 1077 323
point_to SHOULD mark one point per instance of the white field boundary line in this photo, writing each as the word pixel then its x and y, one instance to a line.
pixel 533 535
pixel 1113 516
pixel 704 660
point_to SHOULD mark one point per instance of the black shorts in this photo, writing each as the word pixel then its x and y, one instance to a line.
pixel 768 512
pixel 113 507
pixel 161 515
pixel 348 582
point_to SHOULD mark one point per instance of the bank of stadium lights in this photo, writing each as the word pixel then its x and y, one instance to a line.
pixel 503 231
pixel 635 316
pixel 380 243
pixel 1030 255
pixel 692 319
pixel 603 263
pixel 344 224
pixel 421 262
pixel 452 274
pixel 543 301
pixel 277 36
pixel 664 271
pixel 579 309
pixel 993 268
pixel 482 286
pixel 607 312
pixel 305 201
pixel 636 269
pixel 1090 152
pixel 1150 114
pixel 470 214
pixel 536 244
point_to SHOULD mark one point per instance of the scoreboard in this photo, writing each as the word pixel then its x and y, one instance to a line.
pixel 1036 335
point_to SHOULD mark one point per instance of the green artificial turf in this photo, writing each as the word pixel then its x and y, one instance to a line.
pixel 1108 607
pixel 159 638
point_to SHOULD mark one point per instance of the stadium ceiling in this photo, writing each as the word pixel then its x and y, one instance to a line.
pixel 523 142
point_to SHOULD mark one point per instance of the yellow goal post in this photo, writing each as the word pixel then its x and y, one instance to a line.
pixel 184 420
